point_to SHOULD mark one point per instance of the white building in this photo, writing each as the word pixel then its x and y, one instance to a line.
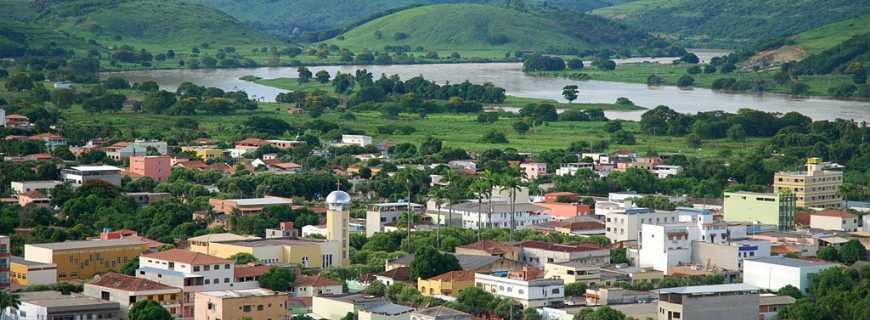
pixel 127 290
pixel 834 220
pixel 77 176
pixel 497 214
pixel 191 271
pixel 125 150
pixel 570 169
pixel 668 245
pixel 866 218
pixel 45 305
pixel 44 186
pixel 354 139
pixel 2 117
pixel 663 171
pixel 773 273
pixel 625 224
pixel 539 253
pixel 600 158
pixel 522 288
pixel 380 214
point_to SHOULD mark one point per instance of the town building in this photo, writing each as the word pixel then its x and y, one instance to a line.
pixel 497 214
pixel 769 305
pixel 395 275
pixel 603 296
pixel 380 214
pixel 260 304
pixel 440 313
pixel 310 286
pixel 190 271
pixel 566 211
pixel 206 153
pixel 773 273
pixel 834 220
pixel 338 306
pixel 446 284
pixel 2 117
pixel 539 253
pixel 663 170
pixel 201 243
pixel 390 311
pixel 277 166
pixel 5 257
pixel 727 256
pixel 570 169
pixel 124 150
pixel 246 207
pixel 127 290
pixel 533 170
pixel 625 224
pixel 813 188
pixel 490 248
pixel 712 302
pixel 17 121
pixel 78 260
pixel 279 251
pixel 53 305
pixel 35 198
pixel 358 140
pixel 43 186
pixel 147 198
pixel 247 276
pixel 80 175
pixel 285 229
pixel 154 167
pixel 573 271
pixel 762 208
pixel 23 273
pixel 524 287
pixel 52 141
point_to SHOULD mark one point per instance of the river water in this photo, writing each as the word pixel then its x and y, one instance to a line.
pixel 517 83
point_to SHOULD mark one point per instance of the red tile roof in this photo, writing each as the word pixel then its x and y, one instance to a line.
pixel 33 195
pixel 186 256
pixel 458 275
pixel 314 281
pixel 560 247
pixel 250 271
pixel 490 246
pixel 398 274
pixel 127 283
pixel 835 213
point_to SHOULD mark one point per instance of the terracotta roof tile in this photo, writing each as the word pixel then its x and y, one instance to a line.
pixel 250 271
pixel 314 281
pixel 560 247
pixel 835 213
pixel 127 283
pixel 457 275
pixel 398 274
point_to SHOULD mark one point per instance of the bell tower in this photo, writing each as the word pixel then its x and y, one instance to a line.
pixel 337 218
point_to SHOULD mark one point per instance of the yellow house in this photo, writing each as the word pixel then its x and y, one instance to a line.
pixel 77 260
pixel 237 304
pixel 573 271
pixel 24 273
pixel 280 251
pixel 447 284
pixel 205 153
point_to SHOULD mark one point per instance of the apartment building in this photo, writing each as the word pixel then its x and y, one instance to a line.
pixel 524 287
pixel 765 208
pixel 669 245
pixel 260 304
pixel 625 224
pixel 380 214
pixel 713 302
pixel 80 175
pixel 539 253
pixel 52 305
pixel 497 214
pixel 813 188
pixel 190 271
pixel 127 290
pixel 78 260
pixel 158 168
pixel 24 273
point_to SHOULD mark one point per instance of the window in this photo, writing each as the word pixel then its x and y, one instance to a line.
pixel 226 280
pixel 556 291
pixel 260 307
pixel 217 267
pixel 246 308
pixel 211 306
pixel 104 295
pixel 226 266
pixel 195 268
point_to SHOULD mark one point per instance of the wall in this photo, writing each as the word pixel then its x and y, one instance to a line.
pixel 751 207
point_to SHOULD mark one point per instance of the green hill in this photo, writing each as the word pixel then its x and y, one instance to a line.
pixel 831 35
pixel 732 23
pixel 475 27
pixel 320 15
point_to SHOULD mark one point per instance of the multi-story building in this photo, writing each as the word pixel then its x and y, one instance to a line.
pixel 358 140
pixel 206 153
pixel 260 304
pixel 380 214
pixel 668 245
pixel 53 305
pixel 539 253
pixel 573 271
pixel 24 273
pixel 127 290
pixel 663 170
pixel 190 271
pixel 497 214
pixel 280 251
pixel 80 175
pixel 154 167
pixel 446 284
pixel 713 302
pixel 247 206
pixel 570 169
pixel 77 260
pixel 728 256
pixel 625 224
pixel 765 208
pixel 813 188
pixel 123 150
pixel 524 287
pixel 773 273
pixel 5 256
pixel 201 243
pixel 44 186
pixel 533 170
pixel 834 220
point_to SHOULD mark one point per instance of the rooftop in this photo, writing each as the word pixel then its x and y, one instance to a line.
pixel 262 201
pixel 250 271
pixel 770 299
pixel 186 256
pixel 497 207
pixel 96 168
pixel 221 237
pixel 457 275
pixel 33 264
pixel 390 309
pixel 441 311
pixel 710 289
pixel 55 299
pixel 790 262
pixel 229 294
pixel 314 281
pixel 255 243
pixel 835 213
pixel 560 247
pixel 398 274
pixel 128 283
pixel 355 298
pixel 86 244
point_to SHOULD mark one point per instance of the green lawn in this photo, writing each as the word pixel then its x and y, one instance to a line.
pixel 829 36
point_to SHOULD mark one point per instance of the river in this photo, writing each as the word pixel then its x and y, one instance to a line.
pixel 517 83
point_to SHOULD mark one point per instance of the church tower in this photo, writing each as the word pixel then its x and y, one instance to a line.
pixel 337 220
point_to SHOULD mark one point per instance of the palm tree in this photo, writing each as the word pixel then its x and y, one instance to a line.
pixel 8 300
pixel 451 178
pixel 511 181
pixel 410 177
pixel 490 179
pixel 439 194
pixel 481 190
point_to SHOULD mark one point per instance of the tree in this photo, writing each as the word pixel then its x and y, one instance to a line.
pixel 474 300
pixel 531 314
pixel 685 81
pixel 428 262
pixel 603 313
pixel 9 300
pixel 828 254
pixel 322 76
pixel 690 58
pixel 430 146
pixel 570 92
pixel 243 258
pixel 130 267
pixel 376 288
pixel 576 289
pixel 622 137
pixel 304 74
pixel 736 133
pixel 860 76
pixel 619 255
pixel 575 64
pixel 693 70
pixel 494 136
pixel 19 82
pixel 158 102
pixel 277 279
pixel 148 310
pixel 521 127
pixel 851 251
pixel 613 126
pixel 694 140
pixel 791 291
pixel 63 98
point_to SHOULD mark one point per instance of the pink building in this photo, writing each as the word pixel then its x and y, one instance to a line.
pixel 156 167
pixel 533 170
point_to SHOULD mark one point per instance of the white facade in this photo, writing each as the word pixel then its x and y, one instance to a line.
pixel 669 245
pixel 570 169
pixel 380 214
pixel 866 218
pixel 625 224
pixel 529 293
pixel 354 139
pixel 525 214
pixel 215 277
pixel 663 171
pixel 50 305
pixel 77 176
pixel 138 148
pixel 2 117
pixel 773 273
pixel 315 231
pixel 845 222
pixel 44 186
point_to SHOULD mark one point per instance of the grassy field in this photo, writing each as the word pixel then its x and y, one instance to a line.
pixel 639 72
pixel 828 36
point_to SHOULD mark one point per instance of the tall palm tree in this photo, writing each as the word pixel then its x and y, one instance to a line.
pixel 451 179
pixel 490 178
pixel 410 177
pixel 510 181
pixel 8 300
pixel 481 190
pixel 438 194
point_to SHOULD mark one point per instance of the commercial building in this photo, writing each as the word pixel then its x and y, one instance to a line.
pixel 260 304
pixel 834 220
pixel 190 271
pixel 573 271
pixel 440 313
pixel 52 305
pixel 247 206
pixel 24 273
pixel 127 290
pixel 764 208
pixel 158 168
pixel 539 253
pixel 446 284
pixel 5 256
pixel 524 287
pixel 80 175
pixel 773 273
pixel 78 260
pixel 380 214
pixel 45 186
pixel 713 302
pixel 625 224
pixel 813 188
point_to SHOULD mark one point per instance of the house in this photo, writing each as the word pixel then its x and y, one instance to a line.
pixel 17 121
pixel 78 260
pixel 576 226
pixel 127 290
pixel 42 305
pixel 497 214
pixel 773 273
pixel 43 186
pixel 206 153
pixel 446 284
pixel 489 248
pixel 390 311
pixel 238 304
pixel 769 305
pixel 380 214
pixel 247 206
pixel 616 296
pixel 285 230
pixel 728 256
pixel 191 271
pixel 124 149
pixel 35 198
pixel 23 273
pixel 533 170
pixel 570 169
pixel 524 287
pixel 440 313
pixel 310 286
pixel 561 210
pixel 80 175
pixel 712 302
pixel 250 144
pixel 157 168
pixel 52 141
pixel 246 276
pixel 276 166
pixel 358 140
pixel 538 253
pixel 338 306
pixel 834 220
pixel 401 274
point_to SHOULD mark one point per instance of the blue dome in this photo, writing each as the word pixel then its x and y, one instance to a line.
pixel 338 197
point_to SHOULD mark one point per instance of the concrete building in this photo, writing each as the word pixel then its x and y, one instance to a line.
pixel 206 153
pixel 769 305
pixel 2 117
pixel 390 311
pixel 358 140
pixel 337 219
pixel 490 248
pixel 663 171
pixel 123 150
pixel 625 224
pixel 813 188
pixel 260 304
pixel 127 290
pixel 35 198
pixel 52 305
pixel 773 273
pixel 763 208
pixel 573 271
pixel 447 284
pixel 43 186
pixel 190 271
pixel 285 229
pixel 247 206
pixel 570 169
pixel 533 170
pixel 52 141
pixel 523 287
pixel 713 302
pixel 338 306
pixel 728 256
pixel 669 245
pixel 24 273
pixel 380 214
pixel 154 167
pixel 201 243
pixel 80 175
pixel 78 260
pixel 440 313
pixel 310 286
pixel 834 220
pixel 5 256
pixel 539 253
pixel 497 214
pixel 147 198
